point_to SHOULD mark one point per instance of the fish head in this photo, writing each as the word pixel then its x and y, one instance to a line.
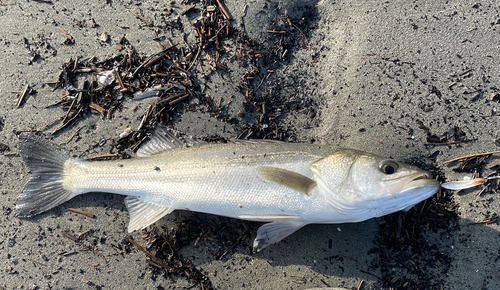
pixel 368 185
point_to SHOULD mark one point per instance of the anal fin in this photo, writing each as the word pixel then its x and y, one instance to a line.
pixel 144 213
pixel 274 232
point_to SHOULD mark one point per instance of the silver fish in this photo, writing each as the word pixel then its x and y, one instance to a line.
pixel 287 185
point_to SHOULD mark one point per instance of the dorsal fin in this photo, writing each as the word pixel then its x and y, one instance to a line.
pixel 164 139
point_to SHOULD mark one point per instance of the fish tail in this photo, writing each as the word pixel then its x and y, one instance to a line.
pixel 45 188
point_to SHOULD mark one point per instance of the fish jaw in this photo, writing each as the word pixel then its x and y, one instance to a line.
pixel 420 190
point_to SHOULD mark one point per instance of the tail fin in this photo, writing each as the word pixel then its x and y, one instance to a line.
pixel 45 189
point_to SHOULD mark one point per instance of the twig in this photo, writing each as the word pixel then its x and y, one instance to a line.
pixel 67 123
pixel 489 221
pixel 98 108
pixel 74 134
pixel 70 236
pixel 150 256
pixel 195 58
pixel 50 124
pixel 23 94
pixel 224 11
pixel 69 111
pixel 120 81
pixel 147 23
pixel 86 213
pixel 482 190
pixel 153 59
pixel 444 143
pixel 360 284
pixel 277 31
pixel 68 36
pixel 471 156
pixel 465 72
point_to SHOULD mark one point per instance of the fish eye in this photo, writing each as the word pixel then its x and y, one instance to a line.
pixel 389 167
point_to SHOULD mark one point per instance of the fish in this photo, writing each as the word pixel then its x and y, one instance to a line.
pixel 285 185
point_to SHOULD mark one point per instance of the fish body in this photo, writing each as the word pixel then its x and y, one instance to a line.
pixel 287 185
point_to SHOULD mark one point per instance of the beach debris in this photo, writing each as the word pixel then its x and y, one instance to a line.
pixel 467 183
pixel 126 132
pixel 162 251
pixel 4 147
pixel 82 212
pixel 153 91
pixel 463 158
pixel 464 184
pixel 104 37
pixel 69 38
pixel 26 91
pixel 106 78
pixel 454 135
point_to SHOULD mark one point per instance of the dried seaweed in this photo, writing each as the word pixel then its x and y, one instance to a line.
pixel 406 257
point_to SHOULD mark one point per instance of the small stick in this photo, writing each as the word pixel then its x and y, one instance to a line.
pixel 83 70
pixel 179 100
pixel 117 74
pixel 153 258
pixel 471 156
pixel 360 284
pixel 98 108
pixel 83 235
pixel 465 72
pixel 482 190
pixel 67 123
pixel 23 94
pixel 86 213
pixel 74 134
pixel 224 11
pixel 195 58
pixel 153 59
pixel 101 255
pixel 50 124
pixel 187 9
pixel 140 17
pixel 35 261
pixel 70 236
pixel 490 221
pixel 69 111
pixel 277 31
pixel 444 143
pixel 495 272
pixel 68 36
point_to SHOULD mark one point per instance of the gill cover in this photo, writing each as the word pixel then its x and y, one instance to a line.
pixel 365 185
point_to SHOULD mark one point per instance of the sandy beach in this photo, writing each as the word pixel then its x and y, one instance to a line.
pixel 417 82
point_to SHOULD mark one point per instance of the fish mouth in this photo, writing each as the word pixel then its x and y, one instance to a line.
pixel 419 180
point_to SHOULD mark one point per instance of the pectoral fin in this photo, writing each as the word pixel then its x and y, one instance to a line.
pixel 290 179
pixel 274 232
pixel 144 213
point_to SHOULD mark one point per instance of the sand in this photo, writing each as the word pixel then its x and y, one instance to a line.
pixel 370 75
